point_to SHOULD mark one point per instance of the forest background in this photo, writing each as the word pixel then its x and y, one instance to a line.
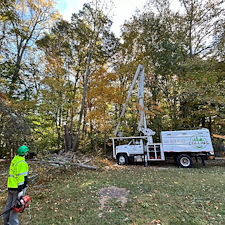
pixel 63 84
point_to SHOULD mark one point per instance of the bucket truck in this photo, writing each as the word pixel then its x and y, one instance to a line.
pixel 182 145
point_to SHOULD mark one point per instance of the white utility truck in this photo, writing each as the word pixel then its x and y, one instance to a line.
pixel 182 145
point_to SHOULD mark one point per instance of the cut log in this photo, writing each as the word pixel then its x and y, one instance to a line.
pixel 218 136
pixel 72 164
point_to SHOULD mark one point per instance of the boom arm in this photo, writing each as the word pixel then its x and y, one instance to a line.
pixel 140 67
pixel 142 125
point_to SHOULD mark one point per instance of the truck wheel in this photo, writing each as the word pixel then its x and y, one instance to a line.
pixel 184 161
pixel 122 159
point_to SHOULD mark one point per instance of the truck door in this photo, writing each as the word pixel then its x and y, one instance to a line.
pixel 136 146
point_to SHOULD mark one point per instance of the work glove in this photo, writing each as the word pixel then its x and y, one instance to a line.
pixel 20 194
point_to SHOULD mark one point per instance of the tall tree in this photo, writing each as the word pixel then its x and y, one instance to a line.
pixel 56 84
pixel 93 36
pixel 201 20
pixel 30 19
pixel 102 93
pixel 73 51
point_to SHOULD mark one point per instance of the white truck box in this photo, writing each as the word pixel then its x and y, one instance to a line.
pixel 187 141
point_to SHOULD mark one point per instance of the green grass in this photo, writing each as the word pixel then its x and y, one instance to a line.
pixel 158 195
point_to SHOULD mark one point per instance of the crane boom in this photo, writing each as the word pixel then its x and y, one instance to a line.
pixel 140 67
pixel 142 125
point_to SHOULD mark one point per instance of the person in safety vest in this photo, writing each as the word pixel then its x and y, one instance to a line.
pixel 17 184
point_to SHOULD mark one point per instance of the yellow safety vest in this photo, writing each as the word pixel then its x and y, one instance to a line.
pixel 17 172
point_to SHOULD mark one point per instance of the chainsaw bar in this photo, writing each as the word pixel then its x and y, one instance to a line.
pixel 5 212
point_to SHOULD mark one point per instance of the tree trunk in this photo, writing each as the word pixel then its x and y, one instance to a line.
pixel 87 73
pixel 203 121
pixel 105 150
pixel 210 124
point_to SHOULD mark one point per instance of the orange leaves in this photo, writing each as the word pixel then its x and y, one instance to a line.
pixel 153 111
pixel 3 96
pixel 102 90
pixel 102 93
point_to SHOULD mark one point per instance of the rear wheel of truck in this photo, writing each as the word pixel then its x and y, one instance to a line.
pixel 184 161
pixel 122 159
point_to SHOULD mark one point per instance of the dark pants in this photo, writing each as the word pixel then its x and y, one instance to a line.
pixel 11 218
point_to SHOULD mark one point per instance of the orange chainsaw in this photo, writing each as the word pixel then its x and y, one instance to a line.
pixel 20 205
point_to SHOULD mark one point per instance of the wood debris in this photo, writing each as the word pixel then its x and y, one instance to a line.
pixel 67 159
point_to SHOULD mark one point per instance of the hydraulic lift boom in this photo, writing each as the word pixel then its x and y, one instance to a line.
pixel 142 125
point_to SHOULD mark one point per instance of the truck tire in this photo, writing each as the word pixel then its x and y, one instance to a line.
pixel 122 159
pixel 184 161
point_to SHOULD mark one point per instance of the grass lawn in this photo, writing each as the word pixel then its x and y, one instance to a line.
pixel 158 194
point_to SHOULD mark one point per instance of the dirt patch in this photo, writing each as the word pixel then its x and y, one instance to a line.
pixel 113 193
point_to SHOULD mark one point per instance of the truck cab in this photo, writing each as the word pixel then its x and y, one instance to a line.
pixel 135 146
pixel 125 153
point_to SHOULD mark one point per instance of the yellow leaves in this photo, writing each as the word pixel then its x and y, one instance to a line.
pixel 56 15
pixel 39 4
pixel 36 123
pixel 33 13
pixel 3 19
pixel 101 89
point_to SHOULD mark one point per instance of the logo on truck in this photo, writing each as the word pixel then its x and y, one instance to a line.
pixel 198 142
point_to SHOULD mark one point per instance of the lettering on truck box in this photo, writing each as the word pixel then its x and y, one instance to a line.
pixel 190 141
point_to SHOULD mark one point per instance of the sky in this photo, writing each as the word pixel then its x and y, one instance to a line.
pixel 123 10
